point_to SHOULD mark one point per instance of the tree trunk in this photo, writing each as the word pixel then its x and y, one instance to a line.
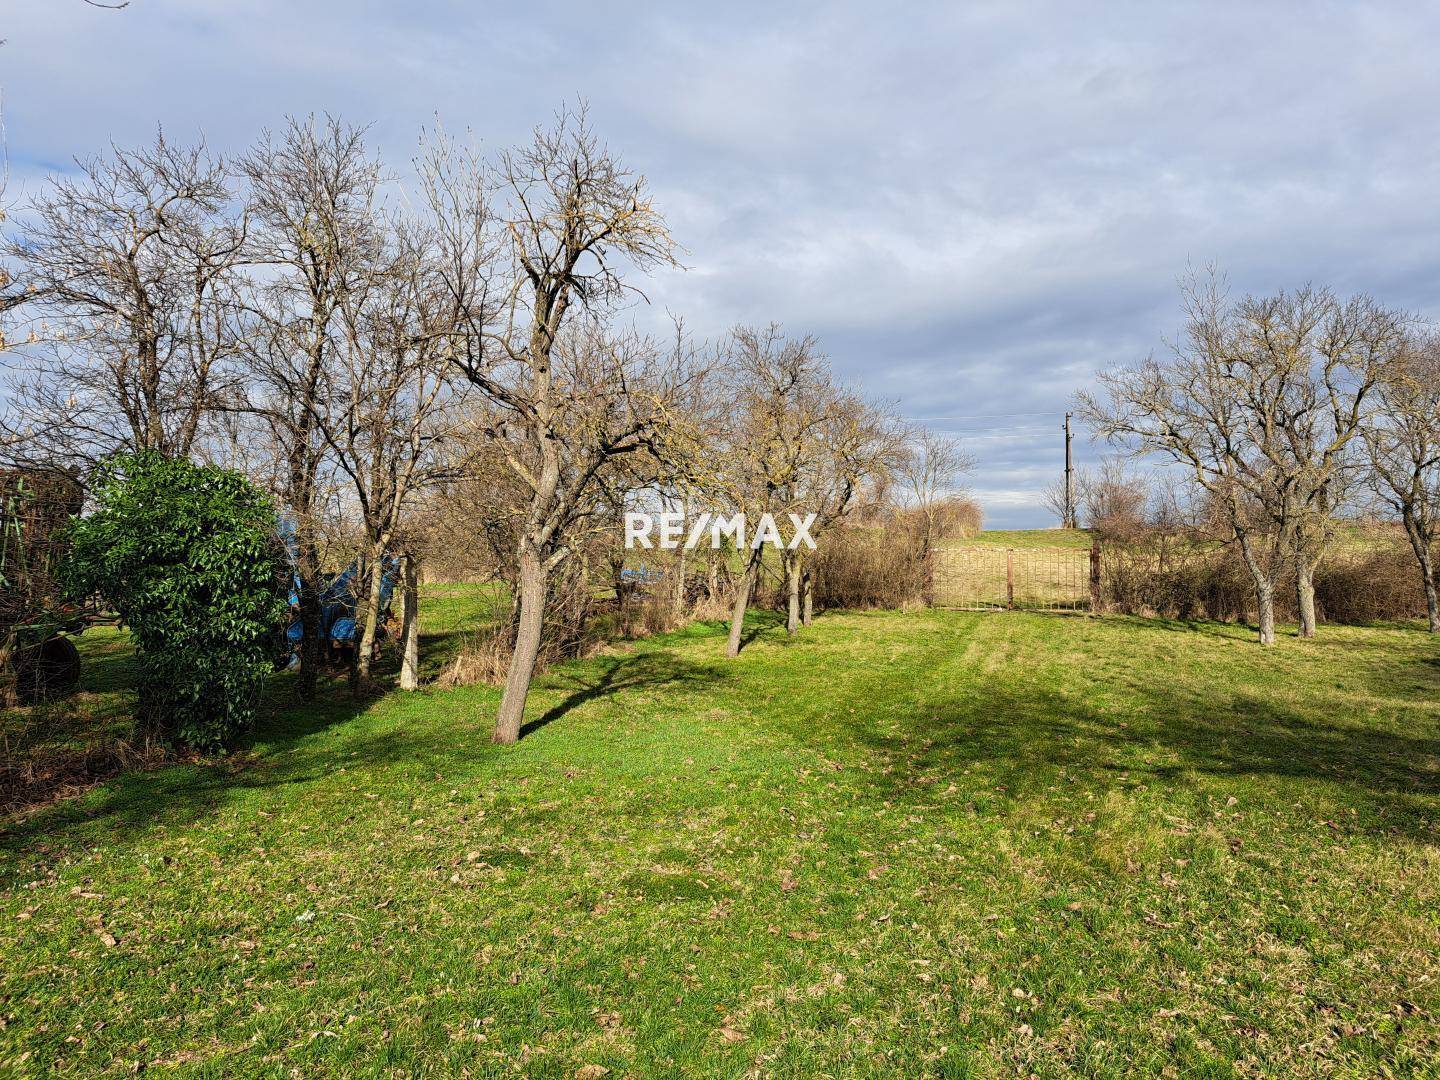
pixel 527 648
pixel 678 604
pixel 1264 591
pixel 1419 544
pixel 8 695
pixel 312 646
pixel 1265 602
pixel 792 585
pixel 410 629
pixel 1305 598
pixel 712 583
pixel 1432 605
pixel 742 601
pixel 807 589
pixel 365 646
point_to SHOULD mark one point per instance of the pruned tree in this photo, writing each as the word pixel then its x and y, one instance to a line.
pixel 313 195
pixel 128 275
pixel 1402 438
pixel 1260 401
pixel 539 247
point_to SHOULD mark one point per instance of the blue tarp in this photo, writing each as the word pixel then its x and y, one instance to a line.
pixel 338 601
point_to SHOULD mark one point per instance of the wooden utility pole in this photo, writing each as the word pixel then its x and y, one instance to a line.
pixel 1069 522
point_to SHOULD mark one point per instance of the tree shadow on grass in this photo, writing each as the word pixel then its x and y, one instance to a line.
pixel 1027 740
pixel 176 791
pixel 758 622
pixel 276 755
pixel 612 675
pixel 1223 631
pixel 144 788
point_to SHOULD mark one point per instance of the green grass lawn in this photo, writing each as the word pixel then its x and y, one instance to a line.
pixel 903 844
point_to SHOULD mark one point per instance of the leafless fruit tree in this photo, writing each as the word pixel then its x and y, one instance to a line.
pixel 1260 401
pixel 397 405
pixel 859 448
pixel 780 392
pixel 563 222
pixel 929 477
pixel 315 241
pixel 1402 438
pixel 128 278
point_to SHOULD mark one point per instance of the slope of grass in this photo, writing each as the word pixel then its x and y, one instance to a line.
pixel 905 844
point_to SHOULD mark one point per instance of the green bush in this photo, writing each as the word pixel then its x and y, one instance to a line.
pixel 187 556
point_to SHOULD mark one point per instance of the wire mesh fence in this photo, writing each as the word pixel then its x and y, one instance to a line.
pixel 991 578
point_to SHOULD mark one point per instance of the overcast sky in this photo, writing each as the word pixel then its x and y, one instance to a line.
pixel 973 206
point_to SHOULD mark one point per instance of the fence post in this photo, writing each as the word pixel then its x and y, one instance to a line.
pixel 1095 599
pixel 1010 579
pixel 410 624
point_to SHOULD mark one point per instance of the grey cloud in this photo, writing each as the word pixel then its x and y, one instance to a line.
pixel 972 206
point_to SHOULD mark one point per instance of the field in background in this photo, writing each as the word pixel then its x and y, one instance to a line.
pixel 988 577
pixel 901 844
pixel 1029 538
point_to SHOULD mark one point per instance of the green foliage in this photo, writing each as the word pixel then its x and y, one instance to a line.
pixel 187 555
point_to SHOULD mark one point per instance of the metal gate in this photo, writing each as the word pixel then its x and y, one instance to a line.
pixel 980 578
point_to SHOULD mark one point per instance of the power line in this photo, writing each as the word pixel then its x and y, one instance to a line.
pixel 984 416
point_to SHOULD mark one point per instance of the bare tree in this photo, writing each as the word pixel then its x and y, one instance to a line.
pixel 1055 497
pixel 930 475
pixel 1402 438
pixel 313 193
pixel 1307 367
pixel 395 408
pixel 781 397
pixel 1115 502
pixel 567 219
pixel 1260 402
pixel 860 448
pixel 128 279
